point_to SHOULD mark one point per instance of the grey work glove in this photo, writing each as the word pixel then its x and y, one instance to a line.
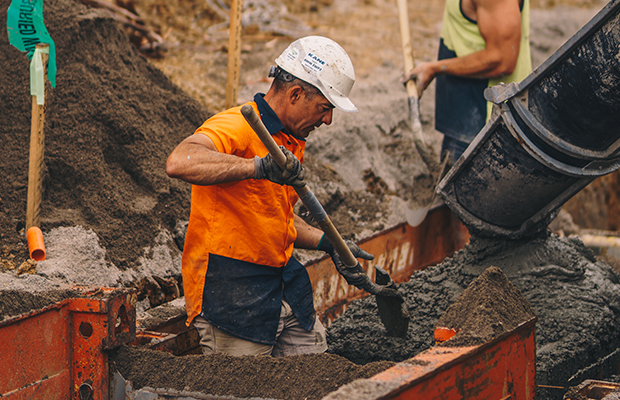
pixel 267 168
pixel 355 275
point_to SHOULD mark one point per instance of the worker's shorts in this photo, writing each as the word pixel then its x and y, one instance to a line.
pixel 291 338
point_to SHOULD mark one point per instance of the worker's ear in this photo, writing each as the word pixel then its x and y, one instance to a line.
pixel 295 93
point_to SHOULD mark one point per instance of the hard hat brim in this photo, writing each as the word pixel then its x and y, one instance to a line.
pixel 342 103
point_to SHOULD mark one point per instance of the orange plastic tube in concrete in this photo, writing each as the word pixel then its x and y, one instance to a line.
pixel 442 334
pixel 36 247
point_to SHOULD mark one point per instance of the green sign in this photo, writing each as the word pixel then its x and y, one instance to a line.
pixel 26 29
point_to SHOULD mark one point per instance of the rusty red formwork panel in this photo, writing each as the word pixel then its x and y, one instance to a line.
pixel 400 250
pixel 58 352
pixel 501 369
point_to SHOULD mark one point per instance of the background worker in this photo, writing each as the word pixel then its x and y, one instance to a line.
pixel 483 43
pixel 243 289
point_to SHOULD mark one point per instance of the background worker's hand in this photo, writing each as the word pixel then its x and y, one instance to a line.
pixel 422 75
pixel 267 168
pixel 355 275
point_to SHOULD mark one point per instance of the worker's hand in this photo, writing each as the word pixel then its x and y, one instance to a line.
pixel 267 168
pixel 422 75
pixel 355 275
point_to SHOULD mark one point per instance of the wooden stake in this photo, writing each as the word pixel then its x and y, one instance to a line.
pixel 35 166
pixel 234 52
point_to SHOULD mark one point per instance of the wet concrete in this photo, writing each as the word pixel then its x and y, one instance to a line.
pixel 575 297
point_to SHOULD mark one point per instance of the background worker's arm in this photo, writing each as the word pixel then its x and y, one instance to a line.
pixel 499 22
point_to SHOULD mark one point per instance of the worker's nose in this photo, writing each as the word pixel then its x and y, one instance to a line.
pixel 327 118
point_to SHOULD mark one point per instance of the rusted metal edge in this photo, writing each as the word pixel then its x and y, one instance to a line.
pixel 80 303
pixel 424 366
pixel 15 318
pixel 464 351
pixel 181 343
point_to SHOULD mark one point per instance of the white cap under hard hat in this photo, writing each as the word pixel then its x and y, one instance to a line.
pixel 324 64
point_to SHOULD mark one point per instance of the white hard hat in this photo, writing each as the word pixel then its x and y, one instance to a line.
pixel 324 64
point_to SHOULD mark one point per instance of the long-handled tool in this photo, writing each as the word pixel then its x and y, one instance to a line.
pixel 416 211
pixel 395 318
pixel 234 53
pixel 35 165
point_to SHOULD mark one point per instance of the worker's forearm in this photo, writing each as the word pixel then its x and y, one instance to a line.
pixel 308 237
pixel 482 64
pixel 200 166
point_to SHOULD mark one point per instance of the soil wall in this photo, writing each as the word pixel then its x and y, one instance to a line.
pixel 111 122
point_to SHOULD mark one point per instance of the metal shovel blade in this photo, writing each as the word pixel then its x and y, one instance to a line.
pixel 416 213
pixel 393 310
pixel 415 216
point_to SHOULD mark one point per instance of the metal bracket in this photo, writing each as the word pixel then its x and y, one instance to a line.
pixel 500 93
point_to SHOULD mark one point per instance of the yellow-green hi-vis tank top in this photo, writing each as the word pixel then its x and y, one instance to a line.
pixel 462 36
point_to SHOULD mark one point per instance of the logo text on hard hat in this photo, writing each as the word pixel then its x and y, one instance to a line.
pixel 313 63
pixel 292 55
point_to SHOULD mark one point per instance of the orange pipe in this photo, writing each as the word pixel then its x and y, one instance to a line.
pixel 36 247
pixel 442 334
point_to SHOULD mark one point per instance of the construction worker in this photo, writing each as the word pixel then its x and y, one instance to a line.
pixel 483 43
pixel 244 291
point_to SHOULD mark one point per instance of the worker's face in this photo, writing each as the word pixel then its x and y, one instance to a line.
pixel 307 114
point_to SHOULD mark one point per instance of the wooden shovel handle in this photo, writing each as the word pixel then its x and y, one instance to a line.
pixel 412 90
pixel 305 194
pixel 405 38
pixel 234 52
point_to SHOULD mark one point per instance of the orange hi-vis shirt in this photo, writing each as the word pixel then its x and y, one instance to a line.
pixel 248 220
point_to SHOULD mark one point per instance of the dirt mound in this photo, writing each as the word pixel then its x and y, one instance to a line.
pixel 309 376
pixel 110 124
pixel 489 306
pixel 14 302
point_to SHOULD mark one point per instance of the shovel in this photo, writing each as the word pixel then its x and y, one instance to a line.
pixel 416 210
pixel 415 215
pixel 393 318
